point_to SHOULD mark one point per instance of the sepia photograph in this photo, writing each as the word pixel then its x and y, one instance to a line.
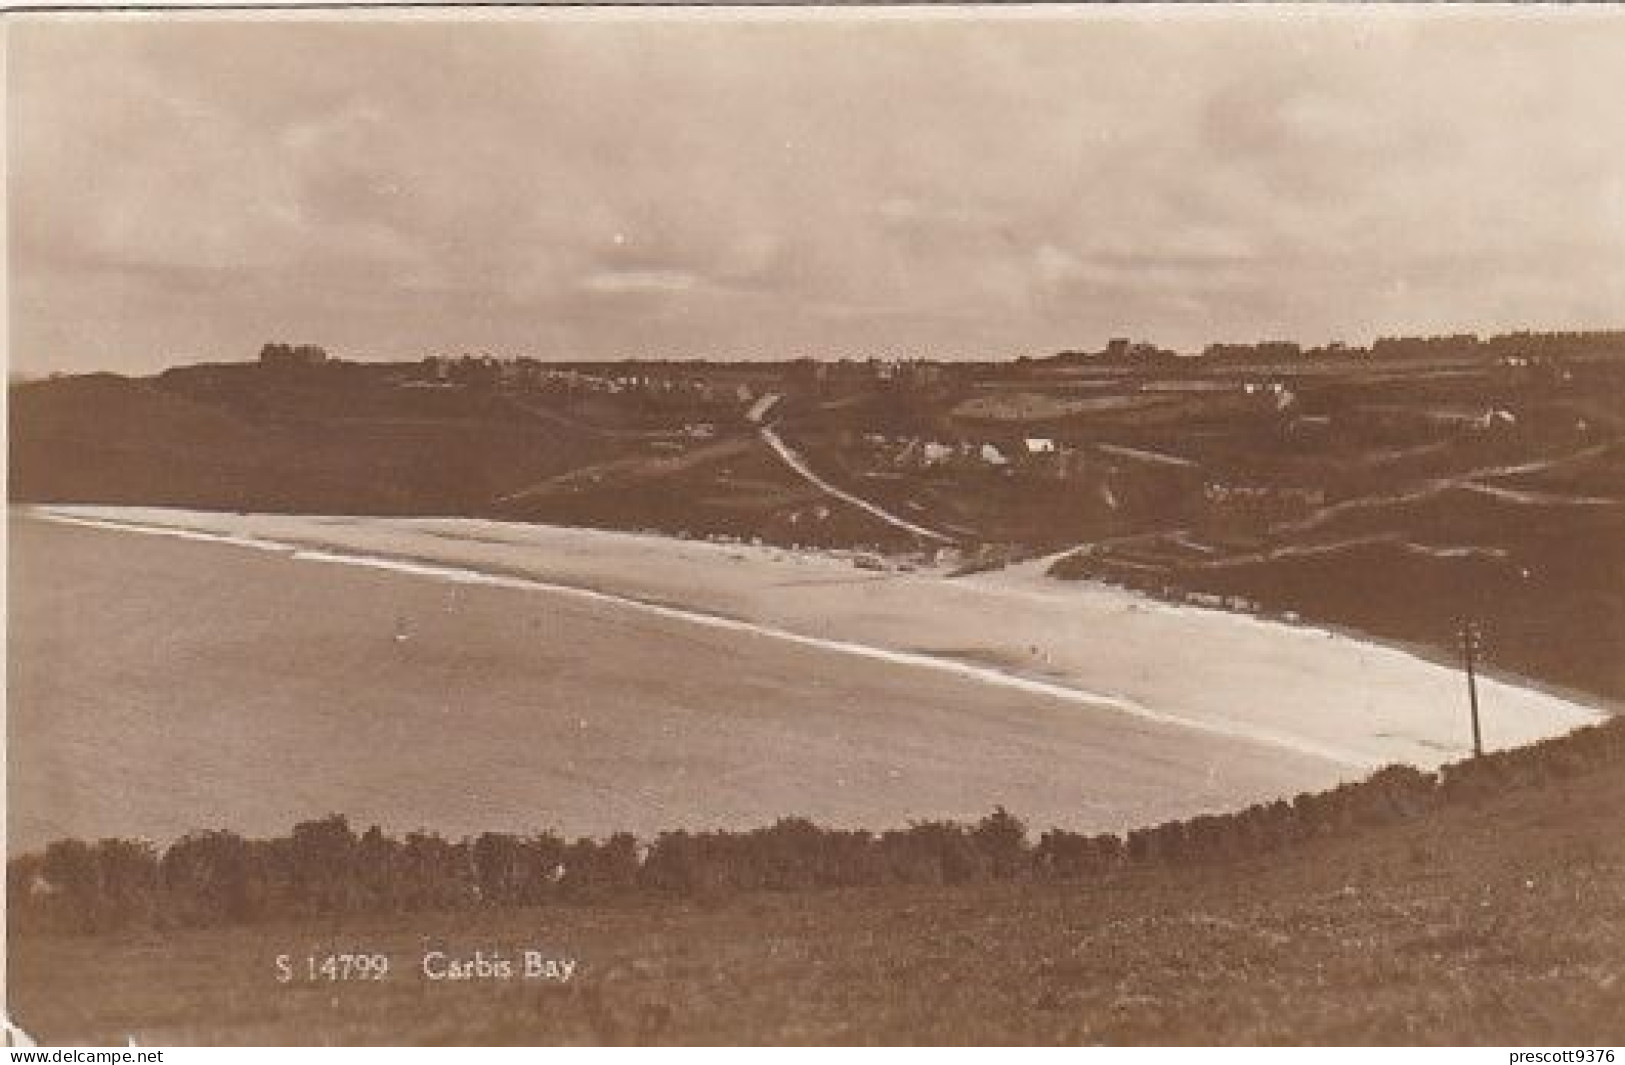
pixel 927 525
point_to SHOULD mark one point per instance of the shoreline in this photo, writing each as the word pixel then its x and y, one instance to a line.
pixel 1380 696
pixel 1430 653
pixel 417 566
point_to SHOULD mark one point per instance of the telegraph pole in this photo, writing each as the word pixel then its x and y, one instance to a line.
pixel 1472 644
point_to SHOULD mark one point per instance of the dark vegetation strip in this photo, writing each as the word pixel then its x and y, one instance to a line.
pixel 324 868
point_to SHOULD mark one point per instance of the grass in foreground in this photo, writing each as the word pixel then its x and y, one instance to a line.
pixel 1501 922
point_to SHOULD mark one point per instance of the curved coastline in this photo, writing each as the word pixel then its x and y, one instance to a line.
pixel 1210 671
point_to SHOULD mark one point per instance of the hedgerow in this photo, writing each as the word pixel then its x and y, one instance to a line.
pixel 324 867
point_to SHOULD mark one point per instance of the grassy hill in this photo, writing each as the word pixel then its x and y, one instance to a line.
pixel 344 441
pixel 1495 917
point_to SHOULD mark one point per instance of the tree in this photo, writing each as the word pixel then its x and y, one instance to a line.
pixel 323 855
pixel 1002 839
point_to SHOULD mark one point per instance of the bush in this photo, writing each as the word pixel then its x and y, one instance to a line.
pixel 322 867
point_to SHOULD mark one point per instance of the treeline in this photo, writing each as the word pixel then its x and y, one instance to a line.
pixel 1451 346
pixel 325 868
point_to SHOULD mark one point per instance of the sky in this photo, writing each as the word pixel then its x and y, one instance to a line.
pixel 959 184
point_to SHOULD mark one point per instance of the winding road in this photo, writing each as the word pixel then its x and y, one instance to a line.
pixel 788 456
pixel 795 462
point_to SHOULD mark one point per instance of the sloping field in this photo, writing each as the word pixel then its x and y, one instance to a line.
pixel 1498 921
pixel 378 450
pixel 1040 406
pixel 1542 571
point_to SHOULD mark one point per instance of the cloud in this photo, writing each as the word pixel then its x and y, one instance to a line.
pixel 761 184
pixel 621 282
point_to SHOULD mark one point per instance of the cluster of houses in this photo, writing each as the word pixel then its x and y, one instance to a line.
pixel 532 373
pixel 1049 458
pixel 850 373
pixel 819 375
pixel 917 453
pixel 478 370
pixel 1276 392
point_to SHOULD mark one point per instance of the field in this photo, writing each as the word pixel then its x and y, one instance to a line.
pixel 1498 922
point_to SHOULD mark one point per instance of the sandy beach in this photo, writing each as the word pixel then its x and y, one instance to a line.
pixel 1350 703
pixel 161 684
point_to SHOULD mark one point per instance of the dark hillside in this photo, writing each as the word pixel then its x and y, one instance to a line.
pixel 304 444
